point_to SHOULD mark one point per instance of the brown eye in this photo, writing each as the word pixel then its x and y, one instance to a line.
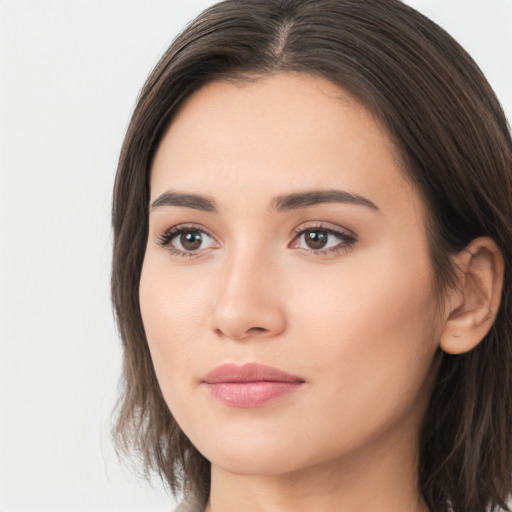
pixel 191 240
pixel 315 238
pixel 186 241
pixel 323 241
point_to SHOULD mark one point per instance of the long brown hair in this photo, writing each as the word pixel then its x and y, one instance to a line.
pixel 456 147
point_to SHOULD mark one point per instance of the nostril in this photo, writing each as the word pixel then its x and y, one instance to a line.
pixel 258 329
pixel 240 336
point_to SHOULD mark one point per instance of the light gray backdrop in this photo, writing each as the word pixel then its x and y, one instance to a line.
pixel 70 71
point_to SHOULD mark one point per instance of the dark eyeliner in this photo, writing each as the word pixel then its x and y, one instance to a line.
pixel 164 240
pixel 347 239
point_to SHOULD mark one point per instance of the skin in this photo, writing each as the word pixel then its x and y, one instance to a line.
pixel 359 326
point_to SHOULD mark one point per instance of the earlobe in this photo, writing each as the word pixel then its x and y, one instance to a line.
pixel 473 306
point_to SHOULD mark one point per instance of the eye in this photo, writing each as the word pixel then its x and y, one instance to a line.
pixel 321 240
pixel 186 240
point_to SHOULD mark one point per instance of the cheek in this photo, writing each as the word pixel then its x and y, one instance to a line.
pixel 368 344
pixel 170 310
pixel 370 324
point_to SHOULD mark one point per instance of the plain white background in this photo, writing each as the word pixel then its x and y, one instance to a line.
pixel 70 72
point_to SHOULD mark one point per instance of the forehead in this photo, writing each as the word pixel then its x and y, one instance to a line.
pixel 273 134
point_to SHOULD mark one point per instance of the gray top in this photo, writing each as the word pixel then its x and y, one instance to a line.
pixel 190 504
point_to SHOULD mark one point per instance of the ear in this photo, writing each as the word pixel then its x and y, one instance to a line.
pixel 471 308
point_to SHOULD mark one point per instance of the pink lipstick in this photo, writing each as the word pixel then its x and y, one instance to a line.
pixel 250 385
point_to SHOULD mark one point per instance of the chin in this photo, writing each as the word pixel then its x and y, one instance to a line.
pixel 266 458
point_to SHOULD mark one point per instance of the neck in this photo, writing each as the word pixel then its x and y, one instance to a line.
pixel 365 481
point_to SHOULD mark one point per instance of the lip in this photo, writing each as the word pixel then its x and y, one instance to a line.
pixel 250 385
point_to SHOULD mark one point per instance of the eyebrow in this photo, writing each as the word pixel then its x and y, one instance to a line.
pixel 171 198
pixel 281 203
pixel 314 197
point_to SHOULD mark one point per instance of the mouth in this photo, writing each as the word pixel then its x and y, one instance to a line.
pixel 250 385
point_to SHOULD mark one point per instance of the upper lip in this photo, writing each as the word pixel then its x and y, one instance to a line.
pixel 249 372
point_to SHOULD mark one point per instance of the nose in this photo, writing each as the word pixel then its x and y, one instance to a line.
pixel 247 304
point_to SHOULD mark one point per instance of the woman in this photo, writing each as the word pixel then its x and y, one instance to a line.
pixel 312 252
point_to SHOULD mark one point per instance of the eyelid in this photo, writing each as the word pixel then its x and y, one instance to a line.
pixel 326 226
pixel 347 238
pixel 164 240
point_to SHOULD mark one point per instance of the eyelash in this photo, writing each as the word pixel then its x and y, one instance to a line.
pixel 347 239
pixel 166 238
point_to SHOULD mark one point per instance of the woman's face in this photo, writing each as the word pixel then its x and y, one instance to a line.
pixel 282 232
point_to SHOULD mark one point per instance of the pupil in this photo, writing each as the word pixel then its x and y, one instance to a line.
pixel 316 239
pixel 191 240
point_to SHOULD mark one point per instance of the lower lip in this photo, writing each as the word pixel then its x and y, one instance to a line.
pixel 251 394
